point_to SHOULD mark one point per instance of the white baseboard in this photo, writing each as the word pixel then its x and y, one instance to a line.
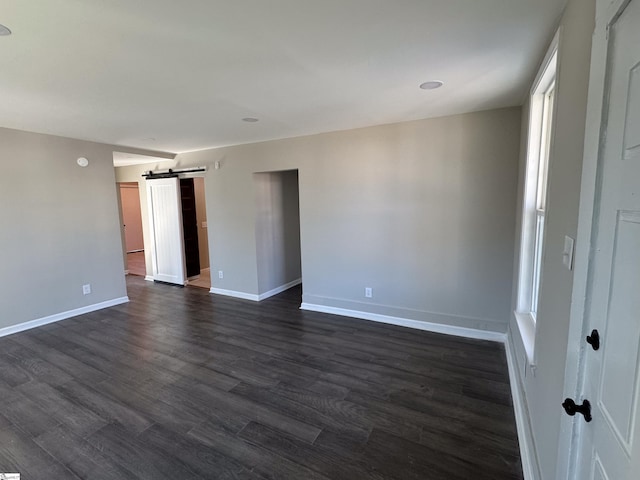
pixel 60 316
pixel 405 322
pixel 149 278
pixel 279 289
pixel 252 296
pixel 528 456
pixel 234 294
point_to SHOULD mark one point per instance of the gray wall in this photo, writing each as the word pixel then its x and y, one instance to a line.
pixel 277 227
pixel 422 212
pixel 543 391
pixel 60 226
pixel 291 214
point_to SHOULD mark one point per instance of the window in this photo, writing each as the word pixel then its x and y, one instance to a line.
pixel 539 141
pixel 541 195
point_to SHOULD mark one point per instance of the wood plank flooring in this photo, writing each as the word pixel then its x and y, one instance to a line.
pixel 203 280
pixel 183 384
pixel 136 264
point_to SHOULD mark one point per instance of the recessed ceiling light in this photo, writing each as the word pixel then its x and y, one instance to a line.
pixel 431 85
pixel 250 120
pixel 4 30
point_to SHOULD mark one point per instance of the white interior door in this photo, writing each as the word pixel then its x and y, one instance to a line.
pixel 165 217
pixel 609 446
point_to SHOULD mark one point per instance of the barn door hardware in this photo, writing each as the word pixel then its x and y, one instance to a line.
pixel 171 173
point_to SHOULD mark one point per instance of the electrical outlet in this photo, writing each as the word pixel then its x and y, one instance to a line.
pixel 368 292
pixel 220 274
pixel 86 289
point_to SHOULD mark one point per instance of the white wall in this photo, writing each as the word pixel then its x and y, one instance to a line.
pixel 422 212
pixel 60 226
pixel 277 227
pixel 543 387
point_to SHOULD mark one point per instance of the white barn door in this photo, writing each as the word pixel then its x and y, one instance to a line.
pixel 165 218
pixel 609 445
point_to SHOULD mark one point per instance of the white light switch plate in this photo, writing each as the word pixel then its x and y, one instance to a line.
pixel 567 253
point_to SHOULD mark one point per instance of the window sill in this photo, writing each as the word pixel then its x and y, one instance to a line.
pixel 527 328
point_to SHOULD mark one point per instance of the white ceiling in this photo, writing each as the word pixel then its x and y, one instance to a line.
pixel 179 76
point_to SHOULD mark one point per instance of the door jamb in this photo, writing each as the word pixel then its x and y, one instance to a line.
pixel 570 429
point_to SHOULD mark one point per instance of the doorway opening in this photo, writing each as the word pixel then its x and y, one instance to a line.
pixel 132 229
pixel 178 237
pixel 277 228
pixel 196 239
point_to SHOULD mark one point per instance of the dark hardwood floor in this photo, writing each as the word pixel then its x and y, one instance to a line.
pixel 182 384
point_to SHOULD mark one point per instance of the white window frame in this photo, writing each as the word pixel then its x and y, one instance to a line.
pixel 539 145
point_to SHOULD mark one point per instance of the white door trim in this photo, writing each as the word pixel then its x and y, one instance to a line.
pixel 528 453
pixel 607 12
